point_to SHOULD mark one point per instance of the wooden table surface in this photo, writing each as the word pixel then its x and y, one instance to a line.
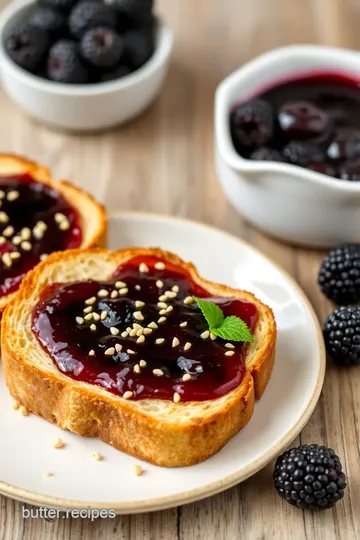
pixel 163 162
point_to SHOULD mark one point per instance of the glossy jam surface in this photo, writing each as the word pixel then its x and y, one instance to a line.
pixel 311 120
pixel 30 227
pixel 69 340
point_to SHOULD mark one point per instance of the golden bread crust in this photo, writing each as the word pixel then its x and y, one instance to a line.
pixel 157 431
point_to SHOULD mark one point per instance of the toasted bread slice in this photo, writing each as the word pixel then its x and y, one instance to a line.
pixel 156 430
pixel 92 214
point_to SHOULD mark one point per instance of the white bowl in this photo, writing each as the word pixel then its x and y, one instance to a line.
pixel 83 107
pixel 295 204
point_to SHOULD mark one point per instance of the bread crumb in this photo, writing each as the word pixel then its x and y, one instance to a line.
pixel 16 405
pixel 23 411
pixel 138 470
pixel 48 473
pixel 58 443
pixel 97 456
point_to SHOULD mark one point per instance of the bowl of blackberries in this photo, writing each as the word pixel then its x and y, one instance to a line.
pixel 288 143
pixel 83 64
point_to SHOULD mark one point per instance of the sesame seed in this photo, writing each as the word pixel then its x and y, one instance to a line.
pixel 162 312
pixel 205 334
pixel 110 351
pixel 120 284
pixel 142 363
pixel 159 284
pixel 48 473
pixel 16 405
pixel 114 294
pixel 147 331
pixel 4 218
pixel 93 327
pixel 160 266
pixel 97 456
pixel 96 317
pixel 16 240
pixel 212 336
pixel 8 231
pixel 139 331
pixel 176 397
pixel 133 332
pixel 162 305
pixel 143 268
pixel 59 217
pixel 159 341
pixel 114 331
pixel 169 308
pixel 12 195
pixel 124 334
pixel 229 346
pixel 23 411
pixel 102 293
pixel 88 317
pixel 163 298
pixel 103 315
pixel 161 320
pixel 128 395
pixel 130 351
pixel 183 324
pixel 138 316
pixel 139 304
pixel 92 352
pixel 158 372
pixel 186 377
pixel 229 353
pixel 58 444
pixel 6 259
pixel 123 291
pixel 137 368
pixel 2 240
pixel 79 320
pixel 187 346
pixel 90 301
pixel 25 233
pixel 87 309
pixel 153 325
pixel 188 300
pixel 140 339
pixel 26 246
pixel 43 256
pixel 170 294
pixel 138 470
pixel 175 288
pixel 175 342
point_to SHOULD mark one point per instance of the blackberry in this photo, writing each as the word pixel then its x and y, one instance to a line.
pixel 101 47
pixel 65 65
pixel 26 45
pixel 62 6
pixel 89 14
pixel 118 73
pixel 339 275
pixel 302 153
pixel 303 120
pixel 266 154
pixel 48 20
pixel 138 48
pixel 310 477
pixel 252 123
pixel 350 170
pixel 342 335
pixel 133 13
pixel 345 144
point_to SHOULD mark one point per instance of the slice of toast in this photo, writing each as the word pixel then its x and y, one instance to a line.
pixel 92 214
pixel 156 430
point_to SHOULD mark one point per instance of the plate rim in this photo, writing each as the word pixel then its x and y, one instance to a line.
pixel 217 486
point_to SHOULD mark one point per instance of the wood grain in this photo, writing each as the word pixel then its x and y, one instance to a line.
pixel 163 162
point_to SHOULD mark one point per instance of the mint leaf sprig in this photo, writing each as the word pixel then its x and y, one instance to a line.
pixel 232 328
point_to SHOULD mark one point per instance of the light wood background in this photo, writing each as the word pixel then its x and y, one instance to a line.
pixel 163 162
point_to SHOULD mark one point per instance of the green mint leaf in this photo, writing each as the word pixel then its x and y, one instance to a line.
pixel 233 329
pixel 212 313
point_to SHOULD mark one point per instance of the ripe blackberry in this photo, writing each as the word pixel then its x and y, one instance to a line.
pixel 345 144
pixel 65 65
pixel 302 153
pixel 342 335
pixel 48 20
pixel 26 45
pixel 310 477
pixel 266 154
pixel 89 14
pixel 252 123
pixel 101 47
pixel 118 73
pixel 62 6
pixel 303 120
pixel 339 275
pixel 138 48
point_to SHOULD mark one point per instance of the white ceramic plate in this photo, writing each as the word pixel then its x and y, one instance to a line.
pixel 26 450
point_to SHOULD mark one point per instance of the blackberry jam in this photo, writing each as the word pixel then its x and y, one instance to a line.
pixel 311 121
pixel 35 219
pixel 140 334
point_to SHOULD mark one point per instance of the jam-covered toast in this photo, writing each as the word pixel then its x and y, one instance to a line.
pixel 114 345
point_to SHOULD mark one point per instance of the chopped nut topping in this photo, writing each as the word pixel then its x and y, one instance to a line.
pixel 90 301
pixel 159 284
pixel 48 473
pixel 175 288
pixel 16 405
pixel 96 317
pixel 124 334
pixel 8 231
pixel 79 320
pixel 25 233
pixel 23 411
pixel 120 284
pixel 142 363
pixel 162 305
pixel 153 325
pixel 187 346
pixel 160 266
pixel 161 320
pixel 212 336
pixel 139 304
pixel 158 372
pixel 12 195
pixel 6 259
pixel 170 294
pixel 118 347
pixel 138 316
pixel 186 377
pixel 58 444
pixel 102 293
pixel 114 294
pixel 176 397
pixel 64 226
pixel 169 308
pixel 87 309
pixel 124 291
pixel 4 218
pixel 133 332
pixel 147 331
pixel 139 331
pixel 163 298
pixel 138 470
pixel 14 255
pixel 159 341
pixel 114 331
pixel 229 353
pixel 93 327
pixel 103 315
pixel 137 368
pixel 128 395
pixel 110 351
pixel 183 324
pixel 175 342
pixel 229 346
pixel 130 351
pixel 188 300
pixel 59 217
pixel 143 268
pixel 16 240
pixel 88 317
pixel 26 246
pixel 140 339
pixel 92 352
pixel 97 456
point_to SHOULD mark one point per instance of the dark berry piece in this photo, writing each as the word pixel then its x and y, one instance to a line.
pixel 118 73
pixel 252 123
pixel 302 153
pixel 345 144
pixel 266 154
pixel 26 45
pixel 303 120
pixel 62 6
pixel 65 65
pixel 101 47
pixel 90 14
pixel 321 489
pixel 342 335
pixel 323 168
pixel 48 20
pixel 350 170
pixel 132 13
pixel 339 275
pixel 138 48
